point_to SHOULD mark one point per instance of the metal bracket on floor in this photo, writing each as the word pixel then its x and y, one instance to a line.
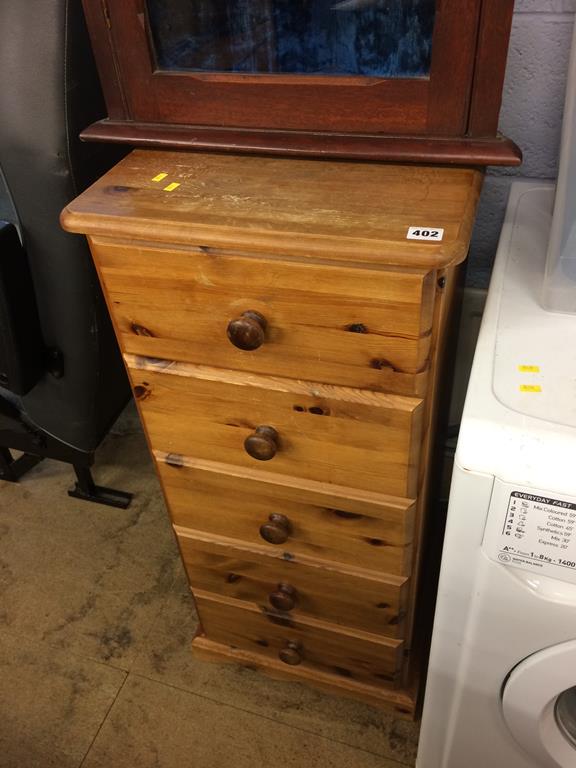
pixel 12 469
pixel 87 490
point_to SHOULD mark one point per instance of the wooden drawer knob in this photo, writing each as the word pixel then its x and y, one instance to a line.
pixel 277 530
pixel 262 444
pixel 291 654
pixel 248 331
pixel 285 598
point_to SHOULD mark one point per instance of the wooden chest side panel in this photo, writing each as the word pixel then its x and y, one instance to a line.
pixel 354 438
pixel 346 527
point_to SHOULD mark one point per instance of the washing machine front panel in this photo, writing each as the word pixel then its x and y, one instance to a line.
pixel 539 705
pixel 504 598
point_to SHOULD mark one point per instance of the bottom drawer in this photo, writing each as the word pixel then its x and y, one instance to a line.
pixel 307 644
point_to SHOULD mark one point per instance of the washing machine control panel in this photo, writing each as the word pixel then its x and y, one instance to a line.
pixel 533 530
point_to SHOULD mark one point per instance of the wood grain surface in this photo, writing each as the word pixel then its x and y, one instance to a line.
pixel 349 654
pixel 402 119
pixel 338 525
pixel 335 210
pixel 431 150
pixel 336 435
pixel 430 518
pixel 493 38
pixel 365 328
pixel 285 342
pixel 400 702
pixel 349 596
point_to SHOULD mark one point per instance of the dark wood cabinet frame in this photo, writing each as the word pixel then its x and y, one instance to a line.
pixel 449 117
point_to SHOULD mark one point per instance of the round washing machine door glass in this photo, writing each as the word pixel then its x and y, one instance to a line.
pixel 539 705
pixel 566 714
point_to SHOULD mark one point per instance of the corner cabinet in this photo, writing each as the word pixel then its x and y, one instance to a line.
pixel 286 341
pixel 403 80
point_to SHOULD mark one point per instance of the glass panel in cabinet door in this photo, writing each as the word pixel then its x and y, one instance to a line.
pixel 372 38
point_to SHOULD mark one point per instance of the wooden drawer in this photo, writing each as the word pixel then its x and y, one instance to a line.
pixel 335 435
pixel 359 327
pixel 339 525
pixel 289 587
pixel 315 646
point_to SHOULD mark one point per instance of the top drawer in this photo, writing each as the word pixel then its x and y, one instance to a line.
pixel 352 326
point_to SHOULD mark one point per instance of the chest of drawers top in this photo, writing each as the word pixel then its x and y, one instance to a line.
pixel 339 211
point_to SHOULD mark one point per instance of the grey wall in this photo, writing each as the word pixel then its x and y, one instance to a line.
pixel 531 115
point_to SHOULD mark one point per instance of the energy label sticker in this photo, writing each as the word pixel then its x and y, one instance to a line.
pixel 537 533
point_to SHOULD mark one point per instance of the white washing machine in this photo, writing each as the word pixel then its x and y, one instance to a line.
pixel 501 688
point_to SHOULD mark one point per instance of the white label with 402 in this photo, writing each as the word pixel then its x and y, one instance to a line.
pixel 434 234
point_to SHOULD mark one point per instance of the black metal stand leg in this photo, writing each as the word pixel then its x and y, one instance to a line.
pixel 87 490
pixel 12 469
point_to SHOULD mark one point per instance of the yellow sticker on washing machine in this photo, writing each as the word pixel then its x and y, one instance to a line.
pixel 530 388
pixel 529 368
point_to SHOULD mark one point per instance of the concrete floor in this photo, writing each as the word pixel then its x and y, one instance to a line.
pixel 95 628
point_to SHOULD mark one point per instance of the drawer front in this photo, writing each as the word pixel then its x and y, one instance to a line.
pixel 356 327
pixel 306 644
pixel 293 589
pixel 337 436
pixel 278 515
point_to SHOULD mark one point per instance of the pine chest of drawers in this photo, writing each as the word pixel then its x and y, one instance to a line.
pixel 284 340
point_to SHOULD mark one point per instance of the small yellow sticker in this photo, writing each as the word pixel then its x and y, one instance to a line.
pixel 171 187
pixel 529 368
pixel 530 388
pixel 160 177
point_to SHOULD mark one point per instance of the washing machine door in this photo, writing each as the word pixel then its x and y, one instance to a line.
pixel 539 705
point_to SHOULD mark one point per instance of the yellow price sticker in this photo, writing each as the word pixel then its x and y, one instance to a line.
pixel 160 177
pixel 530 388
pixel 171 187
pixel 529 368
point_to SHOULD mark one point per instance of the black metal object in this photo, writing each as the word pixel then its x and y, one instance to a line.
pixel 19 434
pixel 21 345
pixel 11 469
pixel 87 490
pixel 62 380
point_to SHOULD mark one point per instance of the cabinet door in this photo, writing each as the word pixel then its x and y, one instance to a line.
pixel 364 66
